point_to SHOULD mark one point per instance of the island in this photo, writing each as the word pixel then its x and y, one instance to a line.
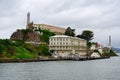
pixel 43 42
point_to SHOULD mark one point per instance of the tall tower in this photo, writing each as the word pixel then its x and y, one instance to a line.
pixel 110 41
pixel 28 19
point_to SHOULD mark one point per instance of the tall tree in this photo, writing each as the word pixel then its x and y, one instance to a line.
pixel 70 32
pixel 87 35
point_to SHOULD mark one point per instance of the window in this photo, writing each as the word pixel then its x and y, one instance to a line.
pixel 51 39
pixel 66 43
pixel 51 43
pixel 60 43
pixel 60 39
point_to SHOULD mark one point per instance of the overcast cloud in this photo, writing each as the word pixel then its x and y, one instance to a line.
pixel 100 16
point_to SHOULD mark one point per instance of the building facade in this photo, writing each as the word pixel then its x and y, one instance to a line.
pixel 66 46
pixel 96 50
pixel 54 29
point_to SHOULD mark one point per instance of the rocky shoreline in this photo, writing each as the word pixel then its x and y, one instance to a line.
pixel 48 59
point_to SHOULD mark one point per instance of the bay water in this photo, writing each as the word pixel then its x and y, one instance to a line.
pixel 102 69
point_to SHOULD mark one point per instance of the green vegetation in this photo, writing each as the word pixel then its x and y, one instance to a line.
pixel 89 44
pixel 108 54
pixel 45 34
pixel 20 50
pixel 43 50
pixel 87 35
pixel 112 53
pixel 70 32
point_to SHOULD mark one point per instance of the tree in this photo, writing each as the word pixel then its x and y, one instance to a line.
pixel 70 32
pixel 46 35
pixel 87 35
pixel 43 50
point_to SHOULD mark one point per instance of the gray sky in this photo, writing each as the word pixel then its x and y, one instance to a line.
pixel 100 16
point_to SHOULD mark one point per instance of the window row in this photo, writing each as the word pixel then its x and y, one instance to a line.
pixel 60 48
pixel 59 39
pixel 59 43
pixel 66 48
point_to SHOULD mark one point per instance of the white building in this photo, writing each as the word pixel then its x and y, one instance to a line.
pixel 66 46
pixel 93 47
pixel 98 47
pixel 95 55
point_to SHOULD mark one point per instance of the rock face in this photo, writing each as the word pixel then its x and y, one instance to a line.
pixel 26 35
pixel 32 36
pixel 18 35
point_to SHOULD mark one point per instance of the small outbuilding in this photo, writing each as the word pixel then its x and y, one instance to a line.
pixel 95 55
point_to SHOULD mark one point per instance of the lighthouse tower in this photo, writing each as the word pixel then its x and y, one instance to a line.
pixel 28 20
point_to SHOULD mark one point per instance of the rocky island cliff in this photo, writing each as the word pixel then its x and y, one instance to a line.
pixel 26 35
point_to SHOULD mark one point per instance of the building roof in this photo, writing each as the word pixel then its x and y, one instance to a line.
pixel 50 26
pixel 66 37
pixel 60 36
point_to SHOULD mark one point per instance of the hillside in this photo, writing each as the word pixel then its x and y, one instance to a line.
pixel 17 47
pixel 25 35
